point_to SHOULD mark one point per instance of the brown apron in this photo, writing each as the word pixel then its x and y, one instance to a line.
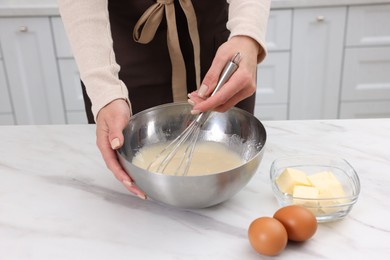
pixel 146 68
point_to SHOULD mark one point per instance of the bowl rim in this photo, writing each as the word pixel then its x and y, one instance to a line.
pixel 183 103
pixel 186 104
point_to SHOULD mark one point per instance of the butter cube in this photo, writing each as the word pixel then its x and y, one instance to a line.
pixel 329 187
pixel 291 177
pixel 324 180
pixel 306 192
pixel 307 197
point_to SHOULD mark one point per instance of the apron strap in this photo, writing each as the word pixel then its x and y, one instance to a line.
pixel 146 28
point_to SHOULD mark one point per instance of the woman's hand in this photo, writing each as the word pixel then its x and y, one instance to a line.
pixel 242 83
pixel 111 121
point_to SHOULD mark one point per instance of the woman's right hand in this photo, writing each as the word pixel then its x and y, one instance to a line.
pixel 110 122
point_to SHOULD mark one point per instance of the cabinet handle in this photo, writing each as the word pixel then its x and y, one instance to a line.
pixel 23 29
pixel 320 18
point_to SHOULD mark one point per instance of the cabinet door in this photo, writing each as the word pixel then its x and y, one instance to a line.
pixel 317 47
pixel 279 30
pixel 377 109
pixel 5 103
pixel 271 112
pixel 272 79
pixel 32 71
pixel 366 74
pixel 368 25
pixel 7 119
pixel 6 115
pixel 74 101
pixel 71 85
pixel 61 40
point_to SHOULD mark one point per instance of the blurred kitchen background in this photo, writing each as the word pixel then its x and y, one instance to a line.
pixel 327 59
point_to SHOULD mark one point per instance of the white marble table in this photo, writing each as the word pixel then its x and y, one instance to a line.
pixel 59 201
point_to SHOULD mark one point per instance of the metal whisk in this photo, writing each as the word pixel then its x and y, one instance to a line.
pixel 186 141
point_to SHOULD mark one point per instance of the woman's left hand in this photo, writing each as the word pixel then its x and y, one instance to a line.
pixel 242 83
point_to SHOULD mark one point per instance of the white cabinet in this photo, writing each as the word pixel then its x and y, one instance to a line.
pixel 73 96
pixel 63 49
pixel 273 76
pixel 366 77
pixel 368 25
pixel 366 74
pixel 69 75
pixel 366 109
pixel 31 70
pixel 317 48
pixel 271 112
pixel 6 113
pixel 326 62
pixel 272 87
pixel 273 72
pixel 278 36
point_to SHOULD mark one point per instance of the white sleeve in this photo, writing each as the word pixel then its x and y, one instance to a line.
pixel 88 28
pixel 249 18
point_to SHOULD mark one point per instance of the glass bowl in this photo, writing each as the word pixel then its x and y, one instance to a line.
pixel 324 208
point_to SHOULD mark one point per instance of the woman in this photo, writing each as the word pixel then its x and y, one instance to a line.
pixel 137 54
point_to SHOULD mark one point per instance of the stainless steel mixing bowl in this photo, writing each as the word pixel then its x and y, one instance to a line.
pixel 238 130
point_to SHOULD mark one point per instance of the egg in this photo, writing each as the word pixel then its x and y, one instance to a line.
pixel 267 236
pixel 299 222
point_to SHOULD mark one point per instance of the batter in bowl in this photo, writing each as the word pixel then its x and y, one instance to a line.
pixel 208 158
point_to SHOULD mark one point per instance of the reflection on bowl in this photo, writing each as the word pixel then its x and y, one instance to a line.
pixel 236 129
pixel 325 208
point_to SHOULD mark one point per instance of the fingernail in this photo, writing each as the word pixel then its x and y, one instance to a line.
pixel 195 112
pixel 191 102
pixel 128 183
pixel 202 90
pixel 115 143
pixel 141 196
pixel 131 184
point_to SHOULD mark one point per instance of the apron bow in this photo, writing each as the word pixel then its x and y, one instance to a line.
pixel 146 28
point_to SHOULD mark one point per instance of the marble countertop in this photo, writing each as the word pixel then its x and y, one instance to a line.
pixel 50 7
pixel 59 201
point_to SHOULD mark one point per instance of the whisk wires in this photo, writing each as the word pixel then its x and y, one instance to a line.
pixel 188 138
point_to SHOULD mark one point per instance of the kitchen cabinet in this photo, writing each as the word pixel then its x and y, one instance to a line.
pixel 272 87
pixel 31 70
pixel 69 75
pixel 325 62
pixel 368 25
pixel 271 112
pixel 366 78
pixel 316 62
pixel 273 72
pixel 278 36
pixel 365 109
pixel 6 112
pixel 366 74
pixel 73 96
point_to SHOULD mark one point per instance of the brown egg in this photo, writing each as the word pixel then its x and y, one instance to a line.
pixel 300 223
pixel 267 236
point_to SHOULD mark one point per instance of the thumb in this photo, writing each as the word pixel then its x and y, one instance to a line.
pixel 115 134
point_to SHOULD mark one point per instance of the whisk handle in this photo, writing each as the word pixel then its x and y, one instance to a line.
pixel 227 72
